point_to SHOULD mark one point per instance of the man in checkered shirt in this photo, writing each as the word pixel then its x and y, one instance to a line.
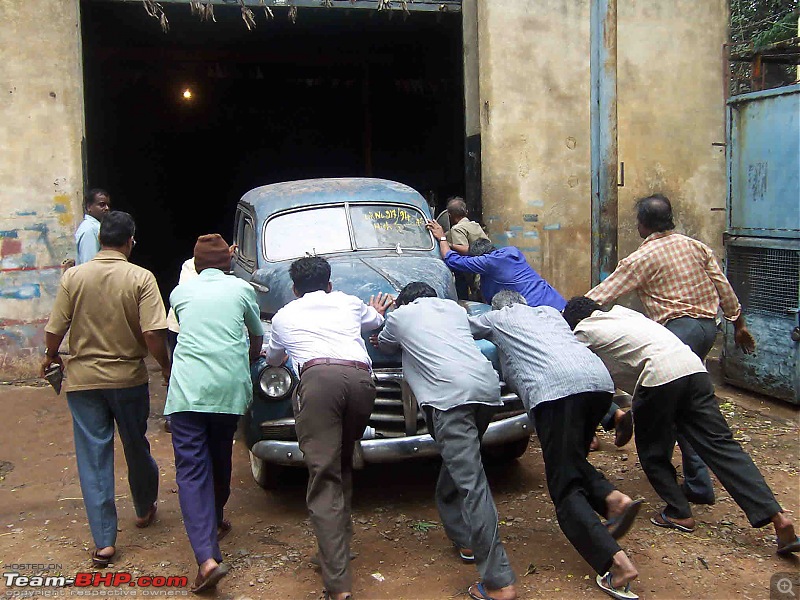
pixel 682 287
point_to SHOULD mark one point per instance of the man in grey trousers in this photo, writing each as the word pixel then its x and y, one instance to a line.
pixel 458 388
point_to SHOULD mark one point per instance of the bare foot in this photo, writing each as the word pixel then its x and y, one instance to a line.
pixel 594 445
pixel 784 529
pixel 616 503
pixel 106 552
pixel 622 570
pixel 508 592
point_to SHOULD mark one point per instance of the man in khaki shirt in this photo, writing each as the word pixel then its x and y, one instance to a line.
pixel 115 315
pixel 460 237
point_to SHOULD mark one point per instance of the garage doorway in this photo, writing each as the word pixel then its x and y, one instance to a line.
pixel 180 125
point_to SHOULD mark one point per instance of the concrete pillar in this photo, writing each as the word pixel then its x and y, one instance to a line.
pixel 41 128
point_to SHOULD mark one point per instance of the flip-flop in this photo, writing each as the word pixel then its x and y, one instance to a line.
pixel 465 554
pixel 100 561
pixel 484 595
pixel 604 582
pixel 666 523
pixel 147 520
pixel 623 431
pixel 211 580
pixel 620 525
pixel 790 548
pixel 223 528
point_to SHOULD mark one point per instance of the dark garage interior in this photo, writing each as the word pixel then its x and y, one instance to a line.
pixel 179 125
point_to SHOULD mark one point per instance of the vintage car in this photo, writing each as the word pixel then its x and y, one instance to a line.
pixel 373 233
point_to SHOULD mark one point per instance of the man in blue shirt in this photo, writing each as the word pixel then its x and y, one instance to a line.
pixel 96 206
pixel 500 269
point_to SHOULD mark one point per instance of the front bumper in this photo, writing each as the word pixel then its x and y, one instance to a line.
pixel 396 449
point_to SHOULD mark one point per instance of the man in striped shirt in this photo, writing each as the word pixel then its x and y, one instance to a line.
pixel 566 389
pixel 681 287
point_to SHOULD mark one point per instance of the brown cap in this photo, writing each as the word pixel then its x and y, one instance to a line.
pixel 211 252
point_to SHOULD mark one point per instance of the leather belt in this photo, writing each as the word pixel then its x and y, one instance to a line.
pixel 334 361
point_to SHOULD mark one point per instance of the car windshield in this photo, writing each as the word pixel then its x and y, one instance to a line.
pixel 387 226
pixel 324 230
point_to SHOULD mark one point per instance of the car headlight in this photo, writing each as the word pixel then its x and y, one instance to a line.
pixel 275 382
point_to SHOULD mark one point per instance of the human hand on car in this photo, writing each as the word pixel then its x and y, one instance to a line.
pixel 435 229
pixel 373 339
pixel 381 302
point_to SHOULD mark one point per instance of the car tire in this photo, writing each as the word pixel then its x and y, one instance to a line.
pixel 267 476
pixel 506 452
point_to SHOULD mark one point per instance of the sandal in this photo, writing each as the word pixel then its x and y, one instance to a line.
pixel 620 525
pixel 666 523
pixel 466 555
pixel 484 595
pixel 201 584
pixel 147 520
pixel 223 528
pixel 791 547
pixel 101 561
pixel 604 582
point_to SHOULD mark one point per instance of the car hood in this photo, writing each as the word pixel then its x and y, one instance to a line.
pixel 361 276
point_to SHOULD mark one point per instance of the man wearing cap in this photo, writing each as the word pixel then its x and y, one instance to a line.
pixel 114 314
pixel 209 390
pixel 321 332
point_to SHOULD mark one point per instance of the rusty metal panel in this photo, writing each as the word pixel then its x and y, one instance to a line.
pixel 765 274
pixel 764 163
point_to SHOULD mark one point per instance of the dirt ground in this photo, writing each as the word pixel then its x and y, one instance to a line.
pixel 402 552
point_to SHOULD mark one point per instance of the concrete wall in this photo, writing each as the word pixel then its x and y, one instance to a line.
pixel 534 87
pixel 41 125
pixel 671 110
pixel 535 124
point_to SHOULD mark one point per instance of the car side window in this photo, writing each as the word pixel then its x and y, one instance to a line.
pixel 245 238
pixel 248 246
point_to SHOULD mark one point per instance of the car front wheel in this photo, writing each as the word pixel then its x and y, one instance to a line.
pixel 506 452
pixel 266 475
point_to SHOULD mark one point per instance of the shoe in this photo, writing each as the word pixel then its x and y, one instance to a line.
pixel 620 525
pixel 666 523
pixel 201 584
pixel 623 429
pixel 147 520
pixel 102 561
pixel 604 582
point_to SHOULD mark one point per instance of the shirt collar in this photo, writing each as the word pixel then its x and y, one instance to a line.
pixel 110 255
pixel 88 217
pixel 211 273
pixel 657 236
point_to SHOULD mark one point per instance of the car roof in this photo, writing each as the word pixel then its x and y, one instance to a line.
pixel 275 197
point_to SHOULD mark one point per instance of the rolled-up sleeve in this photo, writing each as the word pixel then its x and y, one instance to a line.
pixel 731 307
pixel 467 264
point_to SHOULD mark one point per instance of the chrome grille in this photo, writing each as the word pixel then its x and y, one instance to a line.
pixel 389 416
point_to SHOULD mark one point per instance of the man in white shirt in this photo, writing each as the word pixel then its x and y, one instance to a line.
pixel 673 392
pixel 96 206
pixel 321 333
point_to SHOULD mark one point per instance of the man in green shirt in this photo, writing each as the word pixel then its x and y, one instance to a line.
pixel 210 388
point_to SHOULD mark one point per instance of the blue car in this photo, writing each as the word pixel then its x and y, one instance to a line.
pixel 372 232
